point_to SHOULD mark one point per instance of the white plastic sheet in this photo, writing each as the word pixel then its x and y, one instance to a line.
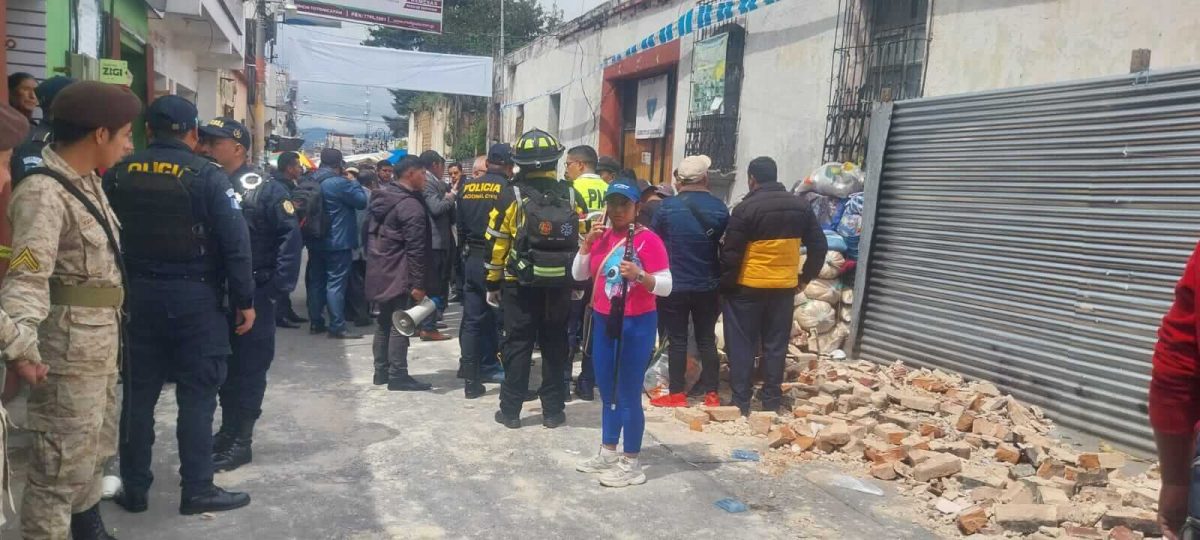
pixel 342 63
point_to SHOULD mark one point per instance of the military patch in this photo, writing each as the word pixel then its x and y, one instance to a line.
pixel 235 200
pixel 27 260
pixel 288 207
pixel 545 228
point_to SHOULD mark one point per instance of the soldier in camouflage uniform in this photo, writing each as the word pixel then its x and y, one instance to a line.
pixel 64 284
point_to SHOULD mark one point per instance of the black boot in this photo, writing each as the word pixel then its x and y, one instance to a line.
pixel 134 502
pixel 239 452
pixel 405 383
pixel 474 389
pixel 224 436
pixel 214 500
pixel 87 525
pixel 381 378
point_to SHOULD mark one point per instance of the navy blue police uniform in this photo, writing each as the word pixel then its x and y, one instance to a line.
pixel 479 336
pixel 185 244
pixel 275 244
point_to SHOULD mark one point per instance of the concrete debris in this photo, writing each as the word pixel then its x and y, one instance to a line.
pixel 980 459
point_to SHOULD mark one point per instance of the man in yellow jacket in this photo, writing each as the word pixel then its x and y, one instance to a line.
pixel 760 275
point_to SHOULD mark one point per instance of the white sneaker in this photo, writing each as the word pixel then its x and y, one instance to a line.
pixel 604 460
pixel 627 472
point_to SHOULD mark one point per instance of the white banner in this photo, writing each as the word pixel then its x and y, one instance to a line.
pixel 340 63
pixel 416 15
pixel 652 108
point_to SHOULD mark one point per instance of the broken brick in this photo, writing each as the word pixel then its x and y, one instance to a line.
pixel 883 471
pixel 1022 470
pixel 973 476
pixel 917 457
pixel 803 441
pixel 920 403
pixel 1111 460
pixel 726 413
pixel 971 520
pixel 891 433
pixel 1026 518
pixel 834 435
pixel 781 436
pixel 1051 468
pixel 959 448
pixel 760 422
pixel 1008 454
pixel 878 452
pixel 1088 461
pixel 689 416
pixel 937 466
pixel 1083 532
pixel 823 404
pixel 1143 521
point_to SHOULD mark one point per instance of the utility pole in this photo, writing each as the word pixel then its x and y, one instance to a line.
pixel 260 81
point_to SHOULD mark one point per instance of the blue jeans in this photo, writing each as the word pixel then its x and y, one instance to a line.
pixel 315 285
pixel 624 415
pixel 337 280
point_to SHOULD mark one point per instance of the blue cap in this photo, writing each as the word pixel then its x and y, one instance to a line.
pixel 624 190
pixel 171 113
pixel 227 128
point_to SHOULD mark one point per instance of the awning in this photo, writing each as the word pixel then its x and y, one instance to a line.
pixel 340 63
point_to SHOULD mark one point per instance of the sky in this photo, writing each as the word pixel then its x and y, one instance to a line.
pixel 341 107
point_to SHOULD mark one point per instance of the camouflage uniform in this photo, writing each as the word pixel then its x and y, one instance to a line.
pixel 64 285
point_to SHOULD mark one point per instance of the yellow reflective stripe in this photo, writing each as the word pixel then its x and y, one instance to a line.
pixel 496 234
pixel 5 252
pixel 543 271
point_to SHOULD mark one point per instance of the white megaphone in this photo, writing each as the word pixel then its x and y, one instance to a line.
pixel 408 322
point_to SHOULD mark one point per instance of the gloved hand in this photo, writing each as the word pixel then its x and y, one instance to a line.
pixel 493 298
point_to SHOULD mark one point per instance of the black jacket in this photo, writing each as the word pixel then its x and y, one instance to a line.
pixel 475 203
pixel 763 240
pixel 399 244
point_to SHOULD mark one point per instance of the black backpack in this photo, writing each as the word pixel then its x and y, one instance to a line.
pixel 310 206
pixel 547 237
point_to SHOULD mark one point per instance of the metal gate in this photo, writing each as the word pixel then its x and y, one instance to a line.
pixel 1033 237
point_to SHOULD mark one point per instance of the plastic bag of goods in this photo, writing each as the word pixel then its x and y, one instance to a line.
pixel 827 210
pixel 846 313
pixel 850 224
pixel 657 381
pixel 834 262
pixel 831 341
pixel 799 299
pixel 815 315
pixel 835 242
pixel 825 290
pixel 849 181
pixel 848 296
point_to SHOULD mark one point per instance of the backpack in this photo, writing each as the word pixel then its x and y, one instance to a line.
pixel 310 207
pixel 546 239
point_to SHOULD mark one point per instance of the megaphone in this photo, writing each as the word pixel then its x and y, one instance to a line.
pixel 408 322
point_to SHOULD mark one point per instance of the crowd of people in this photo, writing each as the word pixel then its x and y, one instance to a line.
pixel 175 263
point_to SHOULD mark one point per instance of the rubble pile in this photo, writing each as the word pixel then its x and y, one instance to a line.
pixel 982 461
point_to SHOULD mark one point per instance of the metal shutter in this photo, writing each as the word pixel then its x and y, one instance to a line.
pixel 1033 237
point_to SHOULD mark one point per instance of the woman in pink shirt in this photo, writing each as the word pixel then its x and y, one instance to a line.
pixel 602 254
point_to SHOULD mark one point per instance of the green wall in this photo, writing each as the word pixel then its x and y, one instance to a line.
pixel 58 32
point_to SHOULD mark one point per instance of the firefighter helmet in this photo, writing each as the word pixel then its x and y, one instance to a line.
pixel 537 149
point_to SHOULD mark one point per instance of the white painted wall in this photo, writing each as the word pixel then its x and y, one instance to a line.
pixel 176 63
pixel 977 45
pixel 986 44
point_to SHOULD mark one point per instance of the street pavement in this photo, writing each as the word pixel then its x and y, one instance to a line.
pixel 338 458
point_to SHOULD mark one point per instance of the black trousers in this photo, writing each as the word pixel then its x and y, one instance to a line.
pixel 479 335
pixel 580 315
pixel 702 310
pixel 753 317
pixel 533 315
pixel 246 383
pixel 177 329
pixel 357 307
pixel 391 347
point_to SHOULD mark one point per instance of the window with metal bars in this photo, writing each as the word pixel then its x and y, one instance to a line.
pixel 712 126
pixel 881 52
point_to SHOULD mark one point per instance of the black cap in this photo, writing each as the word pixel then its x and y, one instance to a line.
pixel 608 164
pixel 227 128
pixel 431 157
pixel 49 88
pixel 500 154
pixel 331 157
pixel 644 186
pixel 171 113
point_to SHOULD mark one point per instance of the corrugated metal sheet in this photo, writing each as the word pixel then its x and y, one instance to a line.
pixel 1033 237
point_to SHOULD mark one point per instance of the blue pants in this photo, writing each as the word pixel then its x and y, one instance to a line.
pixel 315 284
pixel 625 415
pixel 253 351
pixel 178 329
pixel 337 281
pixel 479 336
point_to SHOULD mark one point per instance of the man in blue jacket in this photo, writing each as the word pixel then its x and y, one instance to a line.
pixel 691 225
pixel 341 198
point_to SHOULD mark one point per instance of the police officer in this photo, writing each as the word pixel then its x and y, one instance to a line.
pixel 532 225
pixel 479 338
pixel 184 240
pixel 580 171
pixel 275 246
pixel 64 291
pixel 288 171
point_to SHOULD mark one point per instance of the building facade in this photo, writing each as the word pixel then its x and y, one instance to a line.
pixel 796 80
